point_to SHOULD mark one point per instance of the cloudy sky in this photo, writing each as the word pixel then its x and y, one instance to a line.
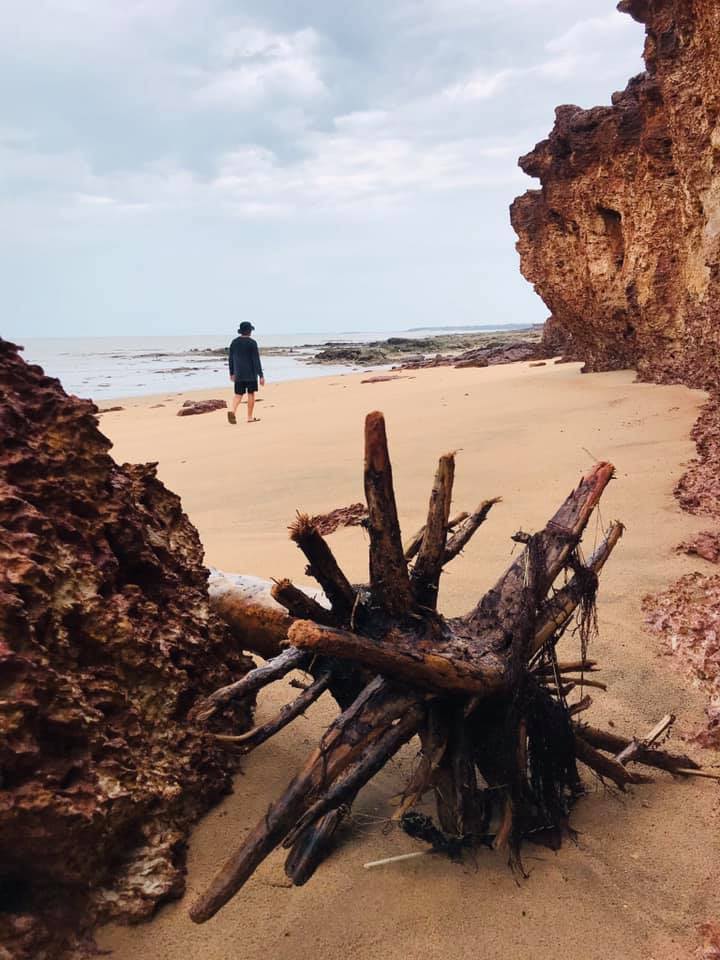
pixel 169 166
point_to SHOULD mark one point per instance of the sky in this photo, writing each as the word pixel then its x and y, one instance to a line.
pixel 173 167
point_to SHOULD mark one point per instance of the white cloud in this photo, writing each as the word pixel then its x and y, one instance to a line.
pixel 588 43
pixel 341 173
pixel 61 31
pixel 585 46
pixel 592 33
pixel 344 172
pixel 94 199
pixel 441 16
pixel 479 85
pixel 257 64
pixel 361 120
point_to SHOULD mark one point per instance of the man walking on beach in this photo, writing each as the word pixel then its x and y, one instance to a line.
pixel 245 368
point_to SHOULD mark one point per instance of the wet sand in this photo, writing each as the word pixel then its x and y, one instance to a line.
pixel 644 871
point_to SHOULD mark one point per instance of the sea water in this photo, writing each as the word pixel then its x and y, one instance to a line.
pixel 104 368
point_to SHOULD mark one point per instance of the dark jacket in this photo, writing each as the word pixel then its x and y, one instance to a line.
pixel 244 359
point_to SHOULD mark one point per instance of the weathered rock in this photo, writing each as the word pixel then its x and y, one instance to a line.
pixel 686 617
pixel 705 545
pixel 106 641
pixel 710 936
pixel 191 407
pixel 474 361
pixel 499 351
pixel 623 240
pixel 346 353
pixel 699 488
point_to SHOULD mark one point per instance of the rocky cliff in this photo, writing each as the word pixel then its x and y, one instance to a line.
pixel 622 241
pixel 106 640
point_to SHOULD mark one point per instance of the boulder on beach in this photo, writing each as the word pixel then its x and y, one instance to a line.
pixel 107 639
pixel 191 407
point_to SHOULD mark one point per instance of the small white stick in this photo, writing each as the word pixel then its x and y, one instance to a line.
pixel 710 774
pixel 635 745
pixel 402 856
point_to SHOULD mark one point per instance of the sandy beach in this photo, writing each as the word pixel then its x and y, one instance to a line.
pixel 643 873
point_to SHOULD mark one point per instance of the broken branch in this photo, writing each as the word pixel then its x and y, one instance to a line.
pixel 324 567
pixel 286 661
pixel 389 580
pixel 287 714
pixel 425 576
pixel 468 528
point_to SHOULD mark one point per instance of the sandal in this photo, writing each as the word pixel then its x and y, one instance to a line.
pixel 254 420
pixel 231 417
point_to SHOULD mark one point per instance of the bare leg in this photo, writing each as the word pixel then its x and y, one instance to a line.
pixel 232 407
pixel 251 405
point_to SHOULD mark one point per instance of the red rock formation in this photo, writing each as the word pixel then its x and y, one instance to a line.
pixel 106 640
pixel 705 544
pixel 686 616
pixel 699 488
pixel 623 240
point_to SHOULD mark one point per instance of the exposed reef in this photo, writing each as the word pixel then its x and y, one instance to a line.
pixel 622 241
pixel 106 640
pixel 442 350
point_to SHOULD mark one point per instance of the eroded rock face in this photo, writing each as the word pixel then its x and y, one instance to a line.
pixel 106 640
pixel 623 240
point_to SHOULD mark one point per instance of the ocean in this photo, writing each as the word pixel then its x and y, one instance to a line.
pixel 107 368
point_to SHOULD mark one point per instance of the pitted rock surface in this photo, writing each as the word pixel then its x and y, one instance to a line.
pixel 106 641
pixel 622 241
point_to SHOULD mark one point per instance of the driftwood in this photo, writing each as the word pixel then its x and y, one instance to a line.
pixel 484 692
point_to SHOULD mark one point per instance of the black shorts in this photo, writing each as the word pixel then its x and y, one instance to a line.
pixel 241 386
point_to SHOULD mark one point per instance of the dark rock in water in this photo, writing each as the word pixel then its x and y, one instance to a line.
pixel 106 641
pixel 191 407
pixel 414 352
pixel 338 353
pixel 472 362
pixel 497 351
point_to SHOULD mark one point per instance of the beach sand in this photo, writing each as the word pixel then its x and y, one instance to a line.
pixel 643 872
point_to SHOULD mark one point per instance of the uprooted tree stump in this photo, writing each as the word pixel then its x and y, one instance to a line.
pixel 484 692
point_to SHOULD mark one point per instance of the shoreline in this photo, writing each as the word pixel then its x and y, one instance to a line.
pixel 107 368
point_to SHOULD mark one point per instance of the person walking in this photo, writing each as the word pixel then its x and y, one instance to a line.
pixel 245 370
